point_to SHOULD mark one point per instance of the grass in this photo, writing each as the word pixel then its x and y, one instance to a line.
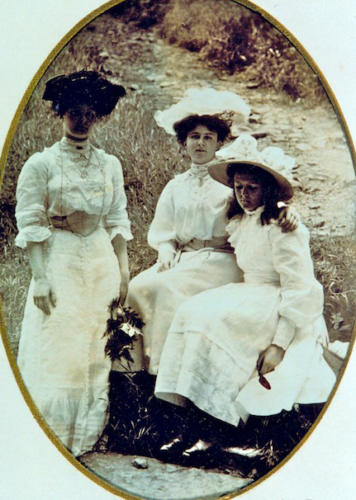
pixel 150 158
pixel 236 40
pixel 334 261
pixel 15 279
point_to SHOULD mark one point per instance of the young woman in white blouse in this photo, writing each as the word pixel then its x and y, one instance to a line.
pixel 223 342
pixel 72 220
pixel 188 228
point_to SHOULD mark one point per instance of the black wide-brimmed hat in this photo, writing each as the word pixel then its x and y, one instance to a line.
pixel 83 87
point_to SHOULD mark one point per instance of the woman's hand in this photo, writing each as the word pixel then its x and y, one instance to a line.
pixel 124 285
pixel 166 255
pixel 120 249
pixel 288 219
pixel 43 296
pixel 269 359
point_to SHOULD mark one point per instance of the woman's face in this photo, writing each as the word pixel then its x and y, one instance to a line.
pixel 78 120
pixel 201 144
pixel 248 191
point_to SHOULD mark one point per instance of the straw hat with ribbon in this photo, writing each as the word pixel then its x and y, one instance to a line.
pixel 203 101
pixel 244 151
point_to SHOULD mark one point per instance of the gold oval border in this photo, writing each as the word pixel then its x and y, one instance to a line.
pixel 9 137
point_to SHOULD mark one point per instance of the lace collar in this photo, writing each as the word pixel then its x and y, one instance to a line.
pixel 256 212
pixel 82 148
pixel 199 171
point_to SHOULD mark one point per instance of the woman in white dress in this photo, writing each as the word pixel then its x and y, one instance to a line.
pixel 223 342
pixel 72 220
pixel 188 228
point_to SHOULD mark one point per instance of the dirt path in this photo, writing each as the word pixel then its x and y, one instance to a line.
pixel 313 136
pixel 160 481
pixel 325 194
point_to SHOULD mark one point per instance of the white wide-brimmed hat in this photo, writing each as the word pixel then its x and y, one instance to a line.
pixel 244 151
pixel 203 101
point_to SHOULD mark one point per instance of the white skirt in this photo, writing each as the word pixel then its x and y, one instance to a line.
pixel 61 356
pixel 212 348
pixel 156 296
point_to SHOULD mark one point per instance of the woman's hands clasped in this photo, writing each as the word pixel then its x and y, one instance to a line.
pixel 269 359
pixel 43 296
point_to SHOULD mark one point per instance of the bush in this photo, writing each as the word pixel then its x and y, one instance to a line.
pixel 231 38
pixel 141 13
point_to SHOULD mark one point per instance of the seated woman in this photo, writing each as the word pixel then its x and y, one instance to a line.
pixel 188 228
pixel 223 342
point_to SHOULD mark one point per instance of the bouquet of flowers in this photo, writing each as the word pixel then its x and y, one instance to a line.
pixel 123 327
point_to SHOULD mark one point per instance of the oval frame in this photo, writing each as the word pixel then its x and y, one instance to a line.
pixel 90 17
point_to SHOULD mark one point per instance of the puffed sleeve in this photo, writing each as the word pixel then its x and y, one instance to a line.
pixel 116 220
pixel 301 294
pixel 31 208
pixel 162 228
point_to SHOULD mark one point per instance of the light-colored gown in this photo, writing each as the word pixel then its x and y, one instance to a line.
pixel 190 216
pixel 216 337
pixel 61 356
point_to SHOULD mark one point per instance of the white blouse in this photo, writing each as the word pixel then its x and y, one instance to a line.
pixel 61 180
pixel 266 255
pixel 192 205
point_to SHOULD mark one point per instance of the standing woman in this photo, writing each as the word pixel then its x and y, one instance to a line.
pixel 222 340
pixel 72 220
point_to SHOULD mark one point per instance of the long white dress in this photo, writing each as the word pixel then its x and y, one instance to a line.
pixel 61 356
pixel 216 337
pixel 190 216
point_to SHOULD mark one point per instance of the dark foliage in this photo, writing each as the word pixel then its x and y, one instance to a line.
pixel 139 423
pixel 277 435
pixel 7 222
pixel 120 343
pixel 142 13
pixel 235 39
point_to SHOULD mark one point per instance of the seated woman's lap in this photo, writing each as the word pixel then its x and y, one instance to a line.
pixel 156 296
pixel 191 275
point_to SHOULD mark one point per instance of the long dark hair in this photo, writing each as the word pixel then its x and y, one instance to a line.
pixel 270 191
pixel 211 122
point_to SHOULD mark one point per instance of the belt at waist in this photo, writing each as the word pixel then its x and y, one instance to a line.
pixel 77 222
pixel 218 243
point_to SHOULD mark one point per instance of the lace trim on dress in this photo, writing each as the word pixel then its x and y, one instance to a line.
pixel 200 171
pixel 257 211
pixel 76 148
